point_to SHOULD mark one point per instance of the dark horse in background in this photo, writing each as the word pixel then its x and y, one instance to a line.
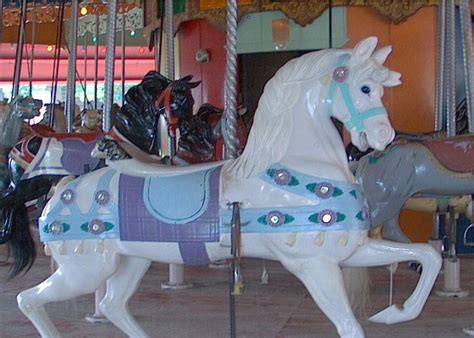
pixel 40 160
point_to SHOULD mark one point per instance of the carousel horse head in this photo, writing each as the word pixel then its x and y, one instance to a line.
pixel 12 116
pixel 91 119
pixel 137 120
pixel 299 101
pixel 355 94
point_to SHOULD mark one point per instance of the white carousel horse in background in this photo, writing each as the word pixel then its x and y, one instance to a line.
pixel 299 202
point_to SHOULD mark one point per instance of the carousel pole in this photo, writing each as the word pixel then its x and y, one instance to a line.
pixel 231 146
pixel 71 69
pixel 85 71
pixel 440 73
pixel 451 262
pixel 98 317
pixel 96 60
pixel 466 35
pixel 230 95
pixel 176 271
pixel 450 69
pixel 109 64
pixel 170 61
pixel 19 49
pixel 122 57
pixel 33 38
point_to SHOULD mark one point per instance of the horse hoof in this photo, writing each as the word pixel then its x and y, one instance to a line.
pixel 390 315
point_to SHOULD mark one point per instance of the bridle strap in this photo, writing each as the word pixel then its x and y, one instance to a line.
pixel 356 118
pixel 165 99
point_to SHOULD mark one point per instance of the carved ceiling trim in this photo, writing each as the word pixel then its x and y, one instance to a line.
pixel 302 12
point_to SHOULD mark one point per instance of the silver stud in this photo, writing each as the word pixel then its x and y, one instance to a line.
pixel 67 196
pixel 340 74
pixel 55 228
pixel 102 197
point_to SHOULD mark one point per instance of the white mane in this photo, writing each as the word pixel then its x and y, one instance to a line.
pixel 270 133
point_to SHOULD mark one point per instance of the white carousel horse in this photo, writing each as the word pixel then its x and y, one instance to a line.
pixel 299 202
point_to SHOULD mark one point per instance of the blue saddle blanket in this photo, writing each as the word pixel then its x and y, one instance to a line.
pixel 177 199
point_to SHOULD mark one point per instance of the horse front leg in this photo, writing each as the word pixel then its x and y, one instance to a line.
pixel 323 279
pixel 381 252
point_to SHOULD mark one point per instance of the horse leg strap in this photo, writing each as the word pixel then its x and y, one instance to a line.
pixel 236 249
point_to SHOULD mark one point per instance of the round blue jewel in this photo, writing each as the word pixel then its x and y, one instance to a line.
pixel 324 190
pixel 67 196
pixel 327 217
pixel 340 74
pixel 55 228
pixel 102 197
pixel 96 227
pixel 282 177
pixel 275 218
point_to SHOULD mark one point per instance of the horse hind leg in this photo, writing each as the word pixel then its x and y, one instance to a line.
pixel 381 252
pixel 323 279
pixel 120 287
pixel 69 281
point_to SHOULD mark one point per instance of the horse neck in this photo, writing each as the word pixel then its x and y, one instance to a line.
pixel 315 146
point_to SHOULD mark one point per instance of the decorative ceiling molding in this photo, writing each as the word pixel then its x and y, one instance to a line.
pixel 50 12
pixel 133 22
pixel 302 12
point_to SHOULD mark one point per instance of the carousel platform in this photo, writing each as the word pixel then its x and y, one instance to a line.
pixel 283 308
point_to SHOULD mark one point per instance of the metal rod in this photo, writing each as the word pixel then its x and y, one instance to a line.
pixel 33 39
pixel 330 23
pixel 109 64
pixel 440 72
pixel 122 57
pixel 170 61
pixel 96 60
pixel 56 62
pixel 466 35
pixel 230 99
pixel 71 69
pixel 85 71
pixel 19 49
pixel 450 69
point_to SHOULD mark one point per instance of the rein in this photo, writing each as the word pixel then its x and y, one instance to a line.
pixel 165 99
pixel 339 81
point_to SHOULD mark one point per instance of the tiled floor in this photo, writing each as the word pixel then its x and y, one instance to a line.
pixel 282 308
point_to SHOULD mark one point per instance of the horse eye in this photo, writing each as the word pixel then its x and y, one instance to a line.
pixel 174 106
pixel 365 89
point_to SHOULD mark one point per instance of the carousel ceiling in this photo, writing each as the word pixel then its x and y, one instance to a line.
pixel 302 12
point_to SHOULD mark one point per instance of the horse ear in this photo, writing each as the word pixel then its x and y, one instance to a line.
pixel 381 54
pixel 393 79
pixel 194 84
pixel 187 78
pixel 364 49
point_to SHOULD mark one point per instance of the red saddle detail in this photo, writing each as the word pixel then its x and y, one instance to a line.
pixel 45 131
pixel 455 153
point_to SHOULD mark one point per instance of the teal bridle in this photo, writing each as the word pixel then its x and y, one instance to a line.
pixel 339 81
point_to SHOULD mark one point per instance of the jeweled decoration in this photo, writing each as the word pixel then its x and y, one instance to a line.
pixel 281 177
pixel 327 217
pixel 102 197
pixel 275 218
pixel 96 227
pixel 324 190
pixel 340 74
pixel 55 228
pixel 67 196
